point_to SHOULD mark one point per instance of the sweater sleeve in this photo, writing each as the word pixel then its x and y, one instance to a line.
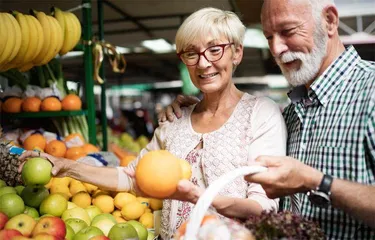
pixel 269 138
pixel 125 183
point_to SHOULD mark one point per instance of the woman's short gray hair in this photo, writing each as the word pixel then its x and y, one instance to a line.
pixel 212 21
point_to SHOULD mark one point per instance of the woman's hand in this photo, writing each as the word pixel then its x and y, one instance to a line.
pixel 61 166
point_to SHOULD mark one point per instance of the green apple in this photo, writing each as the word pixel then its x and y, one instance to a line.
pixel 76 224
pixel 69 232
pixel 2 183
pixel 88 233
pixel 151 235
pixel 104 224
pixel 5 190
pixel 71 205
pixel 93 211
pixel 140 228
pixel 11 204
pixel 36 171
pixel 122 231
pixel 22 223
pixel 19 189
pixel 77 212
pixel 54 204
pixel 32 212
pixel 33 196
pixel 104 216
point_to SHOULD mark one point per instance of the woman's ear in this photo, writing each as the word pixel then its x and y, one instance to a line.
pixel 238 54
pixel 331 18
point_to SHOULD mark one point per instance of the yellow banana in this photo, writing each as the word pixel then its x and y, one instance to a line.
pixel 77 29
pixel 59 15
pixel 33 40
pixel 69 35
pixel 17 36
pixel 3 34
pixel 43 20
pixel 8 50
pixel 39 32
pixel 59 35
pixel 55 43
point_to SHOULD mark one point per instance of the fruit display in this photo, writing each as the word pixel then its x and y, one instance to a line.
pixel 66 208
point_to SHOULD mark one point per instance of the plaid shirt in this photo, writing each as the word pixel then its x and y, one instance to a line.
pixel 332 129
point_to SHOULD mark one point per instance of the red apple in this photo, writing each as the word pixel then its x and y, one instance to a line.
pixel 50 225
pixel 21 238
pixel 3 220
pixel 23 223
pixel 45 236
pixel 8 234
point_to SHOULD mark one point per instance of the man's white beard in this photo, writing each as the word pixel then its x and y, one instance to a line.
pixel 310 62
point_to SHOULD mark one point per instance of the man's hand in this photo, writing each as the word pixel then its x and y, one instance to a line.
pixel 175 107
pixel 60 168
pixel 285 176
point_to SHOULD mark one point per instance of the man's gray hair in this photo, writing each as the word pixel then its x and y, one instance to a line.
pixel 317 7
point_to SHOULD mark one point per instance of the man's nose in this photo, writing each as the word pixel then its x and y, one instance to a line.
pixel 278 46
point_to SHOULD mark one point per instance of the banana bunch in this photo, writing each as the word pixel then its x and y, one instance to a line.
pixel 53 38
pixel 71 28
pixel 10 39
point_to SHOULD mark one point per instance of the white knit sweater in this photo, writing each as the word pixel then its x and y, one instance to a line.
pixel 256 127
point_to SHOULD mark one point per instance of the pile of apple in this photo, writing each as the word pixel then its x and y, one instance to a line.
pixel 64 208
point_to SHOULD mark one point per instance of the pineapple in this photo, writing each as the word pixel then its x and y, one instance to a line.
pixel 8 164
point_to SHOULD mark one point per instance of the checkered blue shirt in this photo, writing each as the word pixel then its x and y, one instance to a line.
pixel 333 130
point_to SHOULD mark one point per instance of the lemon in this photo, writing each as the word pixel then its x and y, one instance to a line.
pixel 132 210
pixel 144 201
pixel 105 203
pixel 82 199
pixel 90 187
pixel 120 220
pixel 186 169
pixel 147 219
pixel 123 198
pixel 76 187
pixel 117 213
pixel 61 181
pixel 156 204
pixel 62 189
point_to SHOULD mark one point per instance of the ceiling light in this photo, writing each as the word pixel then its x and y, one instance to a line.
pixel 158 45
pixel 254 38
pixel 122 50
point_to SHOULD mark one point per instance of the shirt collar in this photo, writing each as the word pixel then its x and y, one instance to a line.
pixel 335 75
pixel 323 87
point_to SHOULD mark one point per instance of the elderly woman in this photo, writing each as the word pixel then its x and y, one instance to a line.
pixel 226 130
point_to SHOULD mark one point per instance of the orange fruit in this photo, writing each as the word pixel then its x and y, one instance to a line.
pixel 12 105
pixel 74 153
pixel 50 104
pixel 207 218
pixel 73 135
pixel 56 148
pixel 186 169
pixel 158 173
pixel 31 104
pixel 89 148
pixel 126 160
pixel 71 102
pixel 35 141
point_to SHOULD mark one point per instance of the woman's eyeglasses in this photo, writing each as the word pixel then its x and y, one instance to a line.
pixel 211 54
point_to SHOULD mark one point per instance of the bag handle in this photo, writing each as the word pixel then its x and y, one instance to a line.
pixel 208 196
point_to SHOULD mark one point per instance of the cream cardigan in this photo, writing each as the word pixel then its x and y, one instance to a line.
pixel 256 127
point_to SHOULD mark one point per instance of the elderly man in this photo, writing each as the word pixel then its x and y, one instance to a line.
pixel 331 120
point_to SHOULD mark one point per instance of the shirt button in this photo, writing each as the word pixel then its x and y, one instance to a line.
pixel 303 146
